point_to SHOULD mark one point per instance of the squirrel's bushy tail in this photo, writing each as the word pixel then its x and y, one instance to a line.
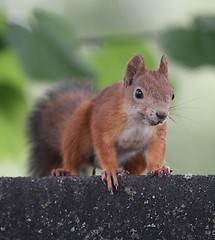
pixel 47 123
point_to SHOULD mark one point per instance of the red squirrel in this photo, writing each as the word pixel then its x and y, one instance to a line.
pixel 120 130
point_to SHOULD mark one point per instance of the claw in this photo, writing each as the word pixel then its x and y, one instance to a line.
pixel 151 173
pixel 164 171
pixel 115 180
pixel 109 182
pixel 59 172
pixel 110 178
pixel 103 174
pixel 122 172
pixel 160 173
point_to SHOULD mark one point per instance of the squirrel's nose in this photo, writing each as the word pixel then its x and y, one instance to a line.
pixel 161 116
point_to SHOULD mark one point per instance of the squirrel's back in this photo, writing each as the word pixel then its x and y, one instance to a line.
pixel 47 123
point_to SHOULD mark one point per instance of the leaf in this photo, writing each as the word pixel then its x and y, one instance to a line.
pixel 2 29
pixel 13 105
pixel 193 46
pixel 48 49
pixel 111 58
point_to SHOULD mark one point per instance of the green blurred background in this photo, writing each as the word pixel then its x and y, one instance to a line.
pixel 45 41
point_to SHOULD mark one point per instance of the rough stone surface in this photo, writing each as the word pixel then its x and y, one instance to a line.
pixel 174 207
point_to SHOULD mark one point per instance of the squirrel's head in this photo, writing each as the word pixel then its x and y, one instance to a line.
pixel 147 93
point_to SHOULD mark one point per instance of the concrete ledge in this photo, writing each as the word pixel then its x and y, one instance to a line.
pixel 175 207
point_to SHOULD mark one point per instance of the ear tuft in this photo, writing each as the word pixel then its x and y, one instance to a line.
pixel 131 69
pixel 163 69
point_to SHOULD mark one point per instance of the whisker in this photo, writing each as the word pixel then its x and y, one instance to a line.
pixel 176 107
pixel 172 119
pixel 190 101
pixel 179 115
pixel 179 124
pixel 179 85
pixel 180 111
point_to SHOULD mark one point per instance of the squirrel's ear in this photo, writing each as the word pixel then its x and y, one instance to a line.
pixel 132 67
pixel 163 66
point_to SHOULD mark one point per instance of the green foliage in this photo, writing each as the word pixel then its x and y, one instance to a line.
pixel 13 104
pixel 193 46
pixel 13 101
pixel 2 28
pixel 12 82
pixel 110 59
pixel 48 50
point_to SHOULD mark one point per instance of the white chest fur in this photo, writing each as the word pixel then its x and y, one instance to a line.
pixel 135 137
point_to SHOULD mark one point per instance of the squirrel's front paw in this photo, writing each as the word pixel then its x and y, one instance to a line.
pixel 165 170
pixel 122 172
pixel 110 177
pixel 59 172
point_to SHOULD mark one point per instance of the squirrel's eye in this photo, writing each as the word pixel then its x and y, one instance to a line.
pixel 173 96
pixel 138 93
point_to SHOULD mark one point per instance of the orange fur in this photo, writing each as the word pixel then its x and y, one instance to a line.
pixel 157 148
pixel 136 165
pixel 77 140
pixel 116 129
